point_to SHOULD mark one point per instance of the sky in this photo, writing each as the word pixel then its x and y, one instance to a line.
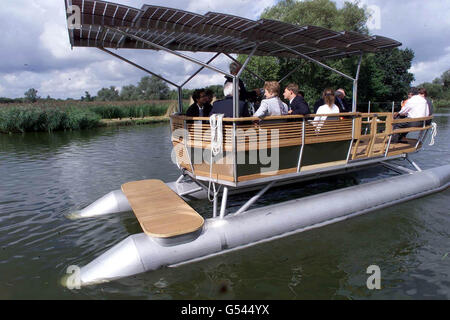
pixel 36 53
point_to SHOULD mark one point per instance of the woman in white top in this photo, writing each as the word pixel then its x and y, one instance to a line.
pixel 328 108
pixel 272 105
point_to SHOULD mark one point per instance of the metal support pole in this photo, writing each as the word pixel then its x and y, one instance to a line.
pixel 397 168
pixel 215 206
pixel 300 156
pixel 315 61
pixel 157 46
pixel 201 68
pixel 180 99
pixel 235 97
pixel 355 95
pixel 353 138
pixel 368 111
pixel 224 202
pixel 393 105
pixel 138 66
pixel 355 85
pixel 247 61
pixel 179 179
pixel 413 163
pixel 388 145
pixel 254 198
pixel 254 74
pixel 295 69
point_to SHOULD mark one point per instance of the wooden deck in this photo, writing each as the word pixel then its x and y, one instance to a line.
pixel 379 147
pixel 159 210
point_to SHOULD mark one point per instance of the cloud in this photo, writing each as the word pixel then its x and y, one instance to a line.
pixel 36 51
pixel 427 71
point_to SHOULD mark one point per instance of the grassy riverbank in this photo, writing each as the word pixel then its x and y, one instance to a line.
pixel 74 115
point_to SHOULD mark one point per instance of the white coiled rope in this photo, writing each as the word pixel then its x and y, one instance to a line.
pixel 433 133
pixel 215 122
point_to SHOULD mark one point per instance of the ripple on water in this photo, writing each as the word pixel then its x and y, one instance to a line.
pixel 44 176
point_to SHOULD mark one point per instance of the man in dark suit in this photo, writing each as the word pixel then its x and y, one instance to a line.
pixel 297 104
pixel 225 106
pixel 341 102
pixel 199 108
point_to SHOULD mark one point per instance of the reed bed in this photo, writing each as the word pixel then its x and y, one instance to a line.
pixel 74 115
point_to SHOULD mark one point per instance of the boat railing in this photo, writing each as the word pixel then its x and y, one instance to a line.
pixel 277 145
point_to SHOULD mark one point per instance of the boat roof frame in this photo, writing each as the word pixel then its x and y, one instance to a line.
pixel 131 28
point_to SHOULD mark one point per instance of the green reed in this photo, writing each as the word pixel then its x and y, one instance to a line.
pixel 74 115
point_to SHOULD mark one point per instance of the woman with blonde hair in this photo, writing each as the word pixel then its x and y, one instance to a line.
pixel 272 105
pixel 328 108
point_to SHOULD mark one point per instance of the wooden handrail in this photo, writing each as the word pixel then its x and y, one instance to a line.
pixel 309 116
pixel 403 120
pixel 411 129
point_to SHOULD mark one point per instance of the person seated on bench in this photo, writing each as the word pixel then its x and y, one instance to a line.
pixel 423 93
pixel 297 104
pixel 225 106
pixel 199 108
pixel 415 107
pixel 272 105
pixel 327 108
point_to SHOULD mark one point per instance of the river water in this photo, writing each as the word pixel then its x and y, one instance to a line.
pixel 44 176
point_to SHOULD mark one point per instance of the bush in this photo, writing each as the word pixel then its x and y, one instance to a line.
pixel 439 104
pixel 73 115
pixel 25 119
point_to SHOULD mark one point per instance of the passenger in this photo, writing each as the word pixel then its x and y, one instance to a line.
pixel 244 95
pixel 341 102
pixel 404 101
pixel 225 106
pixel 327 108
pixel 423 93
pixel 272 105
pixel 415 107
pixel 199 108
pixel 317 104
pixel 297 104
pixel 209 98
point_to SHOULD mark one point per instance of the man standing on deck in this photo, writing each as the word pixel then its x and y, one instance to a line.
pixel 244 95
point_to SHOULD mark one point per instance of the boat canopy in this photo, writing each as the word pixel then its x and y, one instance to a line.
pixel 111 25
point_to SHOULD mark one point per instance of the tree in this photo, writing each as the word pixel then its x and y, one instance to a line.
pixel 31 95
pixel 129 93
pixel 217 89
pixel 153 88
pixel 108 94
pixel 383 75
pixel 439 89
pixel 445 78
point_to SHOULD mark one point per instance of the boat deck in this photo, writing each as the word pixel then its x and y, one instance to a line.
pixel 280 146
pixel 159 210
pixel 379 147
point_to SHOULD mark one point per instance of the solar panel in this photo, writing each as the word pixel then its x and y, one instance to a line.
pixel 213 32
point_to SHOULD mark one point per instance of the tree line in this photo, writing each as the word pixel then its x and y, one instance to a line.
pixel 383 77
pixel 148 88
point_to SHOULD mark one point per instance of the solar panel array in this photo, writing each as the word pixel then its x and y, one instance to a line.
pixel 213 32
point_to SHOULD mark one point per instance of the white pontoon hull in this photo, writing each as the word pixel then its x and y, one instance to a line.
pixel 140 253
